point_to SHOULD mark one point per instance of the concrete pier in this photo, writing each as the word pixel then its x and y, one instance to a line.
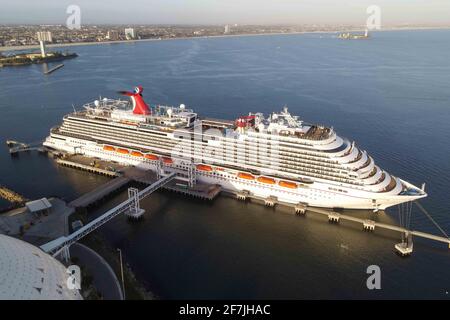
pixel 99 193
pixel 337 217
pixel 334 217
pixel 88 168
pixel 242 195
pixel 300 208
pixel 404 249
pixel 270 201
pixel 211 191
pixel 369 225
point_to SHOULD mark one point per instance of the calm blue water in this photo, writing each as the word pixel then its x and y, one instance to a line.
pixel 390 94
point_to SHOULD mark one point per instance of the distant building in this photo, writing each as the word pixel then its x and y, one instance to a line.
pixel 227 29
pixel 112 35
pixel 130 33
pixel 39 206
pixel 44 36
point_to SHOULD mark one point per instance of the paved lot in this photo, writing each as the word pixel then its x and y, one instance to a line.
pixel 104 278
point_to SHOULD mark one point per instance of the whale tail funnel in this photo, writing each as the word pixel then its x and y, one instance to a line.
pixel 139 105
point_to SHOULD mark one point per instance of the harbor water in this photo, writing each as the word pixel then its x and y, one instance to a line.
pixel 390 94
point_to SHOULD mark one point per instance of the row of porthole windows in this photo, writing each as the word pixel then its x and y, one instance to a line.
pixel 293 167
pixel 322 194
pixel 124 156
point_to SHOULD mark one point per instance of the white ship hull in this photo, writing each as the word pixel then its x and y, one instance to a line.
pixel 317 195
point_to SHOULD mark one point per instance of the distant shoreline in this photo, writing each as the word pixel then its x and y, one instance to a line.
pixel 61 45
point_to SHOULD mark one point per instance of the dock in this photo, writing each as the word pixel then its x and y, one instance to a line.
pixel 88 168
pixel 336 217
pixel 124 175
pixel 200 190
pixel 16 146
pixel 59 66
pixel 99 193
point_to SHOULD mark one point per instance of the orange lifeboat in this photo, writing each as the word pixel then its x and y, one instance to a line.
pixel 203 167
pixel 136 154
pixel 167 160
pixel 266 180
pixel 109 148
pixel 287 184
pixel 151 157
pixel 123 151
pixel 246 176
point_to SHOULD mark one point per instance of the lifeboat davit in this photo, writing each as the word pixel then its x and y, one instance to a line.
pixel 287 184
pixel 204 167
pixel 151 157
pixel 109 148
pixel 266 180
pixel 246 176
pixel 136 154
pixel 123 151
pixel 167 160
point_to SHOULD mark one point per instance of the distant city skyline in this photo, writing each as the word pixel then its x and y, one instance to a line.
pixel 394 12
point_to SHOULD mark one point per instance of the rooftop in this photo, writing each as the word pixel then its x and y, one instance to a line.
pixel 28 273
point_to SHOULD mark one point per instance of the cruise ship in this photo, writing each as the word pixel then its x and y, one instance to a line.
pixel 278 156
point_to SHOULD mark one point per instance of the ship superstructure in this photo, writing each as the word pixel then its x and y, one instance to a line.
pixel 276 156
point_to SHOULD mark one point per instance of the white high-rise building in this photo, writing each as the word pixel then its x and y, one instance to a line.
pixel 130 34
pixel 226 29
pixel 44 36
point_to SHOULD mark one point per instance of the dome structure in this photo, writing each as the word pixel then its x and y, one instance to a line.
pixel 28 273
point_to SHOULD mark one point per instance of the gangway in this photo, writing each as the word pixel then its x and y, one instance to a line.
pixel 61 244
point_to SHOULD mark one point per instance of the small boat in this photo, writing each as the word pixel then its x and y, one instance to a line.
pixel 136 154
pixel 266 180
pixel 167 160
pixel 151 157
pixel 109 148
pixel 246 176
pixel 287 184
pixel 123 151
pixel 203 167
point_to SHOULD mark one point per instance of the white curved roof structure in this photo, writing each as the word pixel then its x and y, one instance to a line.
pixel 28 273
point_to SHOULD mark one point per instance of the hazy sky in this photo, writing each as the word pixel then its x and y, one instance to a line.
pixel 226 11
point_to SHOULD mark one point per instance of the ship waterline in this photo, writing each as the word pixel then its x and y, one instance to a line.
pixel 279 156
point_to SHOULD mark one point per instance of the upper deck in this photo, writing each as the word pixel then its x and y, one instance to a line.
pixel 169 118
pixel 120 111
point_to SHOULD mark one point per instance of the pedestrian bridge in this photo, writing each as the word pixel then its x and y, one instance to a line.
pixel 55 247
